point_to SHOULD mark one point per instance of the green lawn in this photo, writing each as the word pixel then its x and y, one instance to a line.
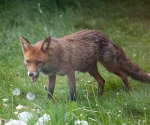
pixel 126 23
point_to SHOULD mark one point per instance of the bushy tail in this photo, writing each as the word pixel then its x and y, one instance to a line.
pixel 133 70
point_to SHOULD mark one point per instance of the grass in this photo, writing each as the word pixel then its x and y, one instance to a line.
pixel 126 23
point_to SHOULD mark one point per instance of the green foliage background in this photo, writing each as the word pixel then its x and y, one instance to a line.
pixel 126 22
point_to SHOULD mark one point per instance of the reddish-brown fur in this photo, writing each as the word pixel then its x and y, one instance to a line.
pixel 79 52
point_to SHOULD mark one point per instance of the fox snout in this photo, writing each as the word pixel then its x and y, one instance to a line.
pixel 33 75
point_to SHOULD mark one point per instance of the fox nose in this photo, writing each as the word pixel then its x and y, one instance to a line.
pixel 31 74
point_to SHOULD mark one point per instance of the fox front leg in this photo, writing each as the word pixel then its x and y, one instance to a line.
pixel 51 85
pixel 72 84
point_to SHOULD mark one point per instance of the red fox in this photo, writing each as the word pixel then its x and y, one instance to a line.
pixel 79 51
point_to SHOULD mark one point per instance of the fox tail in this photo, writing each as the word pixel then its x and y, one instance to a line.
pixel 134 71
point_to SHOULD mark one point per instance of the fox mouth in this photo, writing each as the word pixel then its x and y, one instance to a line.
pixel 34 78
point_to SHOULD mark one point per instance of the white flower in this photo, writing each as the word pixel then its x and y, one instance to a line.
pixel 24 116
pixel 19 107
pixel 81 122
pixel 16 122
pixel 5 100
pixel 5 105
pixel 38 110
pixel 39 4
pixel 60 16
pixel 30 96
pixel 16 113
pixel 16 91
pixel 134 55
pixel 144 121
pixel 44 119
pixel 119 111
pixel 35 110
pixel 125 104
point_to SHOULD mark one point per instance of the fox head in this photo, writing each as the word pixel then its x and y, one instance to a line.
pixel 35 57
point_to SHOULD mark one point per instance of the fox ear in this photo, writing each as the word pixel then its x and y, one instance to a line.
pixel 25 43
pixel 46 43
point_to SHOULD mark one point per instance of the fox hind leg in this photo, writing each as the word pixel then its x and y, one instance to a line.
pixel 123 76
pixel 94 72
pixel 118 71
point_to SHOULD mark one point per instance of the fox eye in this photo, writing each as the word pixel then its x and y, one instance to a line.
pixel 38 62
pixel 27 61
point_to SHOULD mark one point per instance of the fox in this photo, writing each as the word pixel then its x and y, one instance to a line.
pixel 80 51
